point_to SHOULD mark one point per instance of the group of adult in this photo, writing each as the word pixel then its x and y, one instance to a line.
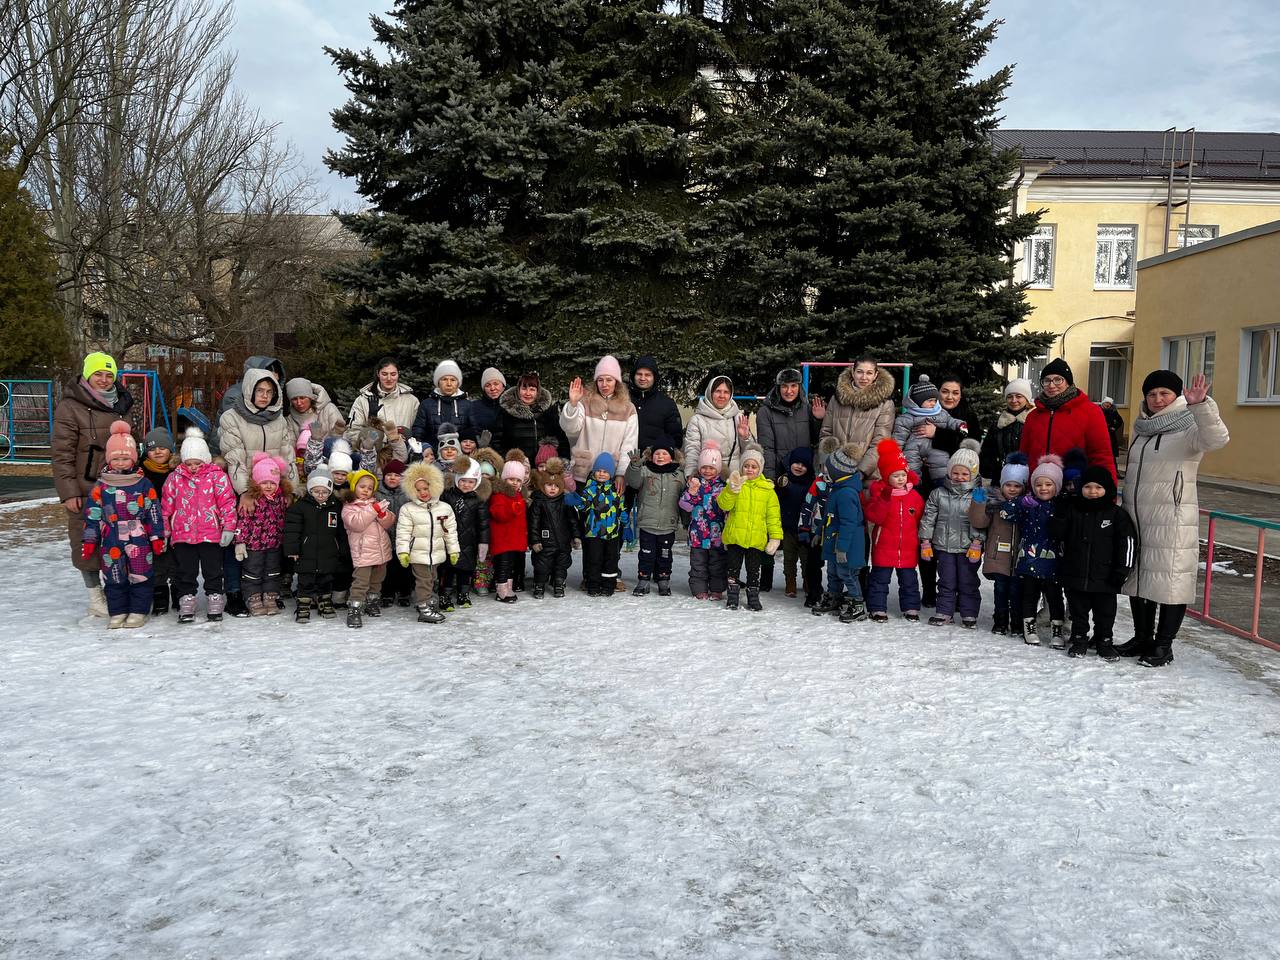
pixel 609 414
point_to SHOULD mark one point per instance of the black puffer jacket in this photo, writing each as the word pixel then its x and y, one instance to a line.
pixel 657 413
pixel 1099 546
pixel 553 522
pixel 1004 438
pixel 471 511
pixel 782 427
pixel 313 532
pixel 948 441
pixel 435 410
pixel 486 414
pixel 528 426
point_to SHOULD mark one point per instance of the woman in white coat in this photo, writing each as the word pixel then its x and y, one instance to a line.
pixel 600 418
pixel 717 418
pixel 1173 432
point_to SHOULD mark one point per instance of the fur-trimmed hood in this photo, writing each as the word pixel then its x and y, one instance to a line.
pixel 880 390
pixel 552 472
pixel 490 456
pixel 511 403
pixel 419 471
pixel 774 399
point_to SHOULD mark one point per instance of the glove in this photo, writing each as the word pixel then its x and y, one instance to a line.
pixel 841 557
pixel 415 445
pixel 242 552
pixel 735 482
pixel 224 541
pixel 926 549
pixel 1028 500
pixel 483 553
pixel 536 548
pixel 157 547
pixel 772 547
pixel 577 544
pixel 404 559
pixel 485 438
pixel 87 550
pixel 453 559
pixel 304 438
pixel 980 495
pixel 635 455
pixel 974 553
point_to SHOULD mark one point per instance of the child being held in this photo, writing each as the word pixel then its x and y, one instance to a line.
pixel 708 563
pixel 753 527
pixel 260 534
pixel 554 529
pixel 945 532
pixel 656 477
pixel 1037 552
pixel 199 508
pixel 1001 550
pixel 923 406
pixel 315 539
pixel 601 513
pixel 896 508
pixel 367 521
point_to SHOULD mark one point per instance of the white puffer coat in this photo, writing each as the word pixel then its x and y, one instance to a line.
pixel 597 426
pixel 708 423
pixel 426 530
pixel 243 431
pixel 1161 497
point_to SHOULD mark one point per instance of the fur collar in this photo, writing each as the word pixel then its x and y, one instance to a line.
pixel 511 404
pixel 880 390
pixel 1006 418
pixel 619 406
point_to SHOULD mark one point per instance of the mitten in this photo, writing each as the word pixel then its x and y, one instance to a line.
pixel 772 547
pixel 415 445
pixel 304 438
pixel 242 552
pixel 380 509
pixel 483 552
pixel 157 547
pixel 577 544
pixel 735 482
pixel 486 436
pixel 1028 500
pixel 926 549
pixel 974 553
pixel 979 494
pixel 841 557
pixel 693 484
pixel 453 559
pixel 536 548
pixel 87 550
pixel 404 559
pixel 224 541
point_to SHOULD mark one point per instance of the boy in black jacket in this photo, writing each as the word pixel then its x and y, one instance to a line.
pixel 554 528
pixel 316 540
pixel 469 498
pixel 1099 549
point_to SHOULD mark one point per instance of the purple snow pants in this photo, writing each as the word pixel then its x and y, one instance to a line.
pixel 958 586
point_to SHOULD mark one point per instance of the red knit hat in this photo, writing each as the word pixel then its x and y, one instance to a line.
pixel 890 458
pixel 121 442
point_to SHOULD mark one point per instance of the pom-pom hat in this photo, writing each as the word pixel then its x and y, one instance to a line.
pixel 889 458
pixel 966 456
pixel 710 456
pixel 1050 466
pixel 194 446
pixel 266 467
pixel 121 442
pixel 1015 469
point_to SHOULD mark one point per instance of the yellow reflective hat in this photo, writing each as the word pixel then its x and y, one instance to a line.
pixel 96 362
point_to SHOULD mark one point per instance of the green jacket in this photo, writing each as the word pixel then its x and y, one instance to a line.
pixel 754 516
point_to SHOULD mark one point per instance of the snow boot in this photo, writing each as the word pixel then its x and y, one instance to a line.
pixel 1079 646
pixel 852 610
pixel 539 589
pixel 1000 625
pixel 187 608
pixel 135 620
pixel 1057 641
pixel 1161 655
pixel 463 600
pixel 557 589
pixel 338 600
pixel 969 623
pixel 273 604
pixel 429 612
pixel 117 621
pixel 731 598
pixel 753 599
pixel 911 616
pixel 790 587
pixel 811 599
pixel 1107 651
pixel 97 602
pixel 879 617
pixel 1144 629
pixel 303 613
pixel 325 607
pixel 216 606
pixel 664 587
pixel 354 620
pixel 257 605
pixel 1029 635
pixel 829 603
pixel 444 598
pixel 642 586
pixel 506 592
pixel 160 602
pixel 235 606
pixel 939 620
pixel 373 605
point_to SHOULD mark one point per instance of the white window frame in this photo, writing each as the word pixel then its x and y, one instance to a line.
pixel 1122 400
pixel 1046 234
pixel 1246 358
pixel 1182 234
pixel 1030 368
pixel 1111 256
pixel 1184 343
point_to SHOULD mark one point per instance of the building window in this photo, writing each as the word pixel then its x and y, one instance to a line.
pixel 1037 257
pixel 1262 378
pixel 1114 257
pixel 1031 367
pixel 1187 356
pixel 1191 234
pixel 1109 372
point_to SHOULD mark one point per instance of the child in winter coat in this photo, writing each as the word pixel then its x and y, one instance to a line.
pixel 426 536
pixel 508 529
pixel 1099 549
pixel 708 563
pixel 124 526
pixel 199 507
pixel 947 534
pixel 468 498
pixel 895 507
pixel 341 462
pixel 813 516
pixel 554 529
pixel 601 513
pixel 753 526
pixel 260 534
pixel 398 586
pixel 367 521
pixel 159 460
pixel 843 537
pixel 491 464
pixel 658 479
pixel 793 486
pixel 924 406
pixel 1037 564
pixel 316 541
pixel 1001 551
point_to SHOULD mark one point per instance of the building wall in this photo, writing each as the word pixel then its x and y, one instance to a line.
pixel 1223 290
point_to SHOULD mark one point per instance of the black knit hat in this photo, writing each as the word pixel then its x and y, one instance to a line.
pixel 922 390
pixel 1102 477
pixel 646 363
pixel 1058 368
pixel 1162 378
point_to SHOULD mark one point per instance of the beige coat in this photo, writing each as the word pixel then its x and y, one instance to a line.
pixel 597 426
pixel 241 437
pixel 708 423
pixel 400 408
pixel 1161 497
pixel 860 417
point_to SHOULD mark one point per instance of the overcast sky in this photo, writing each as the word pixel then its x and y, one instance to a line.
pixel 1107 65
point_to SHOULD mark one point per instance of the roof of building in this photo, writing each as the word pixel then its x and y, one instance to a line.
pixel 1117 154
pixel 1261 230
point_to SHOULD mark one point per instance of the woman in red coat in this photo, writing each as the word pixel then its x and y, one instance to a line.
pixel 1065 419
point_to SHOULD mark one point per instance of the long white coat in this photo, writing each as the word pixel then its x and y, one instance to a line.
pixel 597 426
pixel 708 423
pixel 1161 497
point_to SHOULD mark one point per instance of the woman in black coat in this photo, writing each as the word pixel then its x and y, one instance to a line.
pixel 486 409
pixel 530 418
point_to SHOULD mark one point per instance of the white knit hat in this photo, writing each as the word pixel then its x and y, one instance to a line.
pixel 339 461
pixel 447 368
pixel 194 446
pixel 1021 386
pixel 492 373
pixel 966 456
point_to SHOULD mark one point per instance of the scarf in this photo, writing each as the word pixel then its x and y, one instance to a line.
pixel 1067 395
pixel 154 467
pixel 120 479
pixel 108 398
pixel 1175 421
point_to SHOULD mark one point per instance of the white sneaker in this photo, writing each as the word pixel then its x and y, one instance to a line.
pixel 97 603
pixel 118 621
pixel 135 620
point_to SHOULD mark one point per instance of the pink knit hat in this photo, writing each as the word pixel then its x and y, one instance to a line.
pixel 266 467
pixel 608 367
pixel 121 442
pixel 1050 466
pixel 514 469
pixel 710 455
pixel 545 452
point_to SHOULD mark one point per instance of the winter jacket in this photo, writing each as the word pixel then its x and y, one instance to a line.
pixel 597 425
pixel 1038 550
pixel 860 417
pixel 921 452
pixel 198 505
pixel 754 516
pixel 660 488
pixel 528 426
pixel 323 416
pixel 1001 549
pixel 1001 440
pixel 782 427
pixel 313 532
pixel 792 489
pixel 81 426
pixel 813 515
pixel 122 519
pixel 1160 494
pixel 895 541
pixel 157 475
pixel 845 525
pixel 486 414
pixel 426 528
pixel 508 523
pixel 947 439
pixel 1115 425
pixel 471 513
pixel 708 423
pixel 1077 423
pixel 600 510
pixel 399 407
pixel 1099 547
pixel 244 430
pixel 553 522
pixel 946 517
pixel 437 409
pixel 262 528
pixel 367 531
pixel 706 518
pixel 398 496
pixel 658 417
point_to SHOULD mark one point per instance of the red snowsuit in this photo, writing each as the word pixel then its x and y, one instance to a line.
pixel 896 540
pixel 1077 423
pixel 508 530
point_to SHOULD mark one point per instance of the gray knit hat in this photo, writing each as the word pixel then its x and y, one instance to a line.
pixel 966 456
pixel 753 452
pixel 157 439
pixel 320 477
pixel 299 387
pixel 844 462
pixel 492 373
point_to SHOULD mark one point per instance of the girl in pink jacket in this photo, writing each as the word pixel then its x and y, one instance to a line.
pixel 199 508
pixel 367 522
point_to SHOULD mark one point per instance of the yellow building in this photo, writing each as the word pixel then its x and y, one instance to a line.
pixel 1110 199
pixel 1215 307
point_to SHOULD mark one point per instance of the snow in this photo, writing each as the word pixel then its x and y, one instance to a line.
pixel 1223 567
pixel 622 778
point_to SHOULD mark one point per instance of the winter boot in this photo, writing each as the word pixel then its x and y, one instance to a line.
pixel 642 587
pixel 303 613
pixel 940 620
pixel 444 598
pixel 911 616
pixel 373 605
pixel 506 592
pixel 135 620
pixel 187 608
pixel 829 603
pixel 539 589
pixel 117 621
pixel 1144 629
pixel 160 602
pixel 790 589
pixel 338 600
pixel 969 623
pixel 463 599
pixel 273 604
pixel 811 599
pixel 404 600
pixel 1106 651
pixel 325 607
pixel 216 605
pixel 664 587
pixel 97 602
pixel 354 620
pixel 1000 625
pixel 879 616
pixel 753 599
pixel 175 597
pixel 1029 635
pixel 257 605
pixel 731 598
pixel 1057 641
pixel 852 610
pixel 429 612
pixel 235 606
pixel 1161 655
pixel 1079 646
pixel 557 589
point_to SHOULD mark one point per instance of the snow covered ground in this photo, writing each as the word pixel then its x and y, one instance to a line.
pixel 621 778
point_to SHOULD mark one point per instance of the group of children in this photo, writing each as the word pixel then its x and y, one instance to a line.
pixel 442 529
